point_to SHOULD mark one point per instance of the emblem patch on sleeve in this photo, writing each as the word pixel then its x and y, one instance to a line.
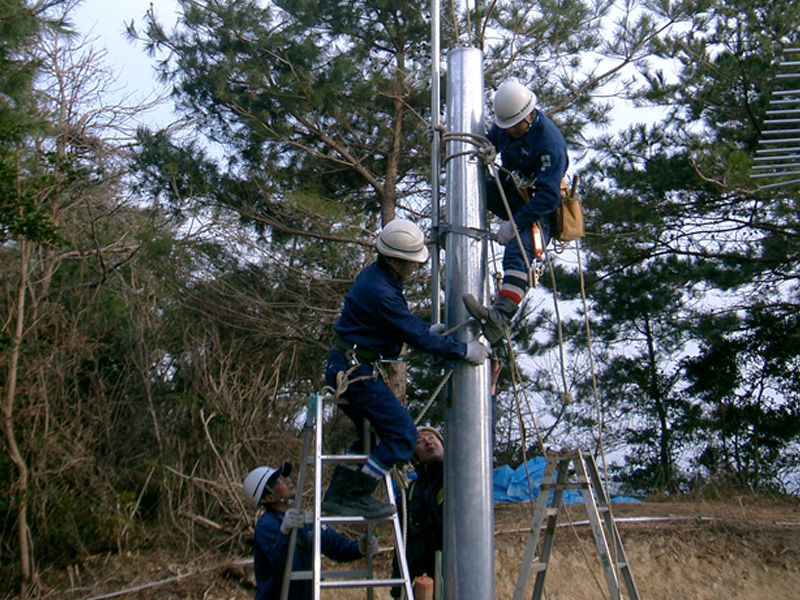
pixel 545 162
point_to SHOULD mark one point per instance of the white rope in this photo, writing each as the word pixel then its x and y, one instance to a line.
pixel 487 153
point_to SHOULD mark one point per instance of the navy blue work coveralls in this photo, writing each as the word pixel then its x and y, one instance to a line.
pixel 376 318
pixel 271 547
pixel 540 154
pixel 425 504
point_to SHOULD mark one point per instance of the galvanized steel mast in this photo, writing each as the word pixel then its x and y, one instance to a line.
pixel 468 512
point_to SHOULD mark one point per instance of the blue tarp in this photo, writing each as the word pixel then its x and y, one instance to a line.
pixel 512 485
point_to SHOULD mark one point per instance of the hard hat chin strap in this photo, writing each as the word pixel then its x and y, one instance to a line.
pixel 268 490
pixel 529 119
pixel 389 263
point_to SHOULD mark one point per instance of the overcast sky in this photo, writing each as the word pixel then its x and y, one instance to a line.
pixel 106 21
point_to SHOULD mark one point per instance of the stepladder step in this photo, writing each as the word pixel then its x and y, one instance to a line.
pixel 573 470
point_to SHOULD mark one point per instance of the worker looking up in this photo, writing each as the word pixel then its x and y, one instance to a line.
pixel 274 491
pixel 425 505
pixel 425 500
pixel 534 150
pixel 374 324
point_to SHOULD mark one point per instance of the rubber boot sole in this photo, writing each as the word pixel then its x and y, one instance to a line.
pixel 379 510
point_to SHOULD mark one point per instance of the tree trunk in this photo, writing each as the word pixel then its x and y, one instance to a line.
pixel 8 422
pixel 398 379
pixel 389 199
pixel 664 438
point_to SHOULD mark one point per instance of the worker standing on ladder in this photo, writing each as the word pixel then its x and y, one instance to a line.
pixel 273 490
pixel 374 324
pixel 534 160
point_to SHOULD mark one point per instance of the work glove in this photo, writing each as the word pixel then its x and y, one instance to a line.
pixel 293 519
pixel 437 328
pixel 477 353
pixel 368 545
pixel 506 232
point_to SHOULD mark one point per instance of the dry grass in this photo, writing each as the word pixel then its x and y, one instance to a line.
pixel 742 548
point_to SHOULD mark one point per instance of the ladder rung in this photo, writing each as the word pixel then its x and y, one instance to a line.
pixel 576 485
pixel 307 575
pixel 344 458
pixel 362 583
pixel 538 567
pixel 355 573
pixel 345 519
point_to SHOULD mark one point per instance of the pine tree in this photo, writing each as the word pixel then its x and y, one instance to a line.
pixel 681 189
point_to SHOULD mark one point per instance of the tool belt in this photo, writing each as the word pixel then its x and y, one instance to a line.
pixel 363 355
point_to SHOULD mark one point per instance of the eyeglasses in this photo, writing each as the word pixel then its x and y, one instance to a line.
pixel 282 479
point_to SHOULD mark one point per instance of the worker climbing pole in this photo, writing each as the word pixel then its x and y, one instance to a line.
pixel 533 153
pixel 524 191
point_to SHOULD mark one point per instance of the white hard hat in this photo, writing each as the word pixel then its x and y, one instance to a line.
pixel 259 478
pixel 512 103
pixel 403 239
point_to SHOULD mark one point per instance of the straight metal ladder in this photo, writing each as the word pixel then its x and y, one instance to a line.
pixel 575 469
pixel 350 578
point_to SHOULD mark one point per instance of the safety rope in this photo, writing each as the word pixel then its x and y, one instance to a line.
pixel 485 151
pixel 595 394
pixel 566 395
pixel 343 381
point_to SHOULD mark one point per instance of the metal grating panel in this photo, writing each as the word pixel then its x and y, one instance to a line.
pixel 777 161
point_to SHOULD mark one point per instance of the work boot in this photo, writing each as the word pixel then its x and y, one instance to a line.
pixel 494 319
pixel 337 489
pixel 358 500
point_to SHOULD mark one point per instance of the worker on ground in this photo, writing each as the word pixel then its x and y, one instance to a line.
pixel 425 500
pixel 532 148
pixel 274 491
pixel 374 324
pixel 425 507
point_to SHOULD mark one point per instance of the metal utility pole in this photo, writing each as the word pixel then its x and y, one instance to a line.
pixel 436 105
pixel 468 507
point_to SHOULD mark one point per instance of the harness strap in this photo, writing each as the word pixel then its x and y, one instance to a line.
pixel 364 355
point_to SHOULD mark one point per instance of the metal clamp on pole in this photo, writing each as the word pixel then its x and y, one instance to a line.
pixel 438 233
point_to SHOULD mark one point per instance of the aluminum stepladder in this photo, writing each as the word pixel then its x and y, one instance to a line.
pixel 350 578
pixel 576 469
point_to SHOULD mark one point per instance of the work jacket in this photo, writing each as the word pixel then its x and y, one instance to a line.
pixel 425 506
pixel 376 317
pixel 271 547
pixel 540 157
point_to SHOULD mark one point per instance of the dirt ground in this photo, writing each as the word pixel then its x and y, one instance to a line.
pixel 741 548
